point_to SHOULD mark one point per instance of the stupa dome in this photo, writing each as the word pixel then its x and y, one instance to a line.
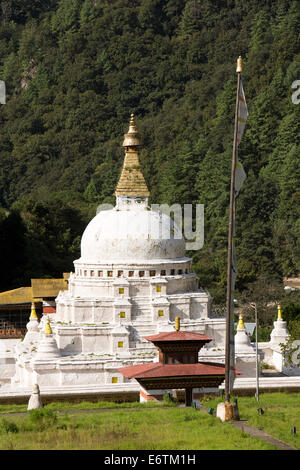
pixel 117 235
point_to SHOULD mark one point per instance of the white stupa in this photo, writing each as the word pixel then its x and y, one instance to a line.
pixel 245 353
pixel 131 280
pixel 279 334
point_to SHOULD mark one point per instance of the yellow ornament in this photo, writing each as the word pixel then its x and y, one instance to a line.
pixel 48 330
pixel 241 324
pixel 279 312
pixel 33 312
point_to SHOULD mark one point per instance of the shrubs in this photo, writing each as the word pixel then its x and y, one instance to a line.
pixel 8 426
pixel 42 418
pixel 37 420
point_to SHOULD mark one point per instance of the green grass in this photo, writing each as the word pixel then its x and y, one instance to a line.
pixel 83 405
pixel 147 426
pixel 163 428
pixel 281 412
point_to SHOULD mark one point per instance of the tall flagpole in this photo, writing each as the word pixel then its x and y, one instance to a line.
pixel 228 344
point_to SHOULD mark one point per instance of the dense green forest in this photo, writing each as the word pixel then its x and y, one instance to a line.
pixel 75 70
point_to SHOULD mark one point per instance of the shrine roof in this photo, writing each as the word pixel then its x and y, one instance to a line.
pixel 157 369
pixel 178 336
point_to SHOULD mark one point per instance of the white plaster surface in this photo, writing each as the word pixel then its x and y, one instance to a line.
pixel 129 234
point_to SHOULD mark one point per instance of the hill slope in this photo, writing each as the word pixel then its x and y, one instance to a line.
pixel 76 69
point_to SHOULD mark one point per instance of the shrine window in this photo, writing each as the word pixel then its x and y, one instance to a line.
pixel 141 273
pixel 160 313
pixel 100 273
pixel 114 380
pixel 84 272
pixel 120 273
pixel 179 271
pixel 186 271
pixel 121 290
pixel 109 273
pixel 152 273
pixel 122 315
pixel 92 273
pixel 172 272
pixel 163 272
pixel 130 273
pixel 120 344
pixel 158 288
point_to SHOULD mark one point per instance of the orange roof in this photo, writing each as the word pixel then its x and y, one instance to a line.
pixel 157 369
pixel 178 336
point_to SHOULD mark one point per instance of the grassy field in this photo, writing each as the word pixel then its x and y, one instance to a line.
pixel 281 411
pixel 144 428
pixel 134 426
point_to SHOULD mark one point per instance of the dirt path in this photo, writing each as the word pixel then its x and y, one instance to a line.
pixel 257 433
pixel 254 432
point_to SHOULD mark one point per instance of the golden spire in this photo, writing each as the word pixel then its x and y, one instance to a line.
pixel 241 324
pixel 279 312
pixel 33 312
pixel 177 323
pixel 132 182
pixel 48 329
pixel 239 66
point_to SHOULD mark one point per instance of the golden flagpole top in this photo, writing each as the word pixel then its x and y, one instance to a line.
pixel 177 323
pixel 239 66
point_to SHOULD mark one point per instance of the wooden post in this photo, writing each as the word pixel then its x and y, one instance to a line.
pixel 188 396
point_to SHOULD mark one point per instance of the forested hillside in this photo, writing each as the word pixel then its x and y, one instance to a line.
pixel 76 69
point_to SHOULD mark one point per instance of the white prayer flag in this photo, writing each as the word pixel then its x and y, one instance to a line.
pixel 242 113
pixel 239 179
pixel 2 92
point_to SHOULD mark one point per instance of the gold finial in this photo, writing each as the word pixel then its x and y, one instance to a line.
pixel 279 312
pixel 33 312
pixel 241 324
pixel 239 66
pixel 132 181
pixel 177 323
pixel 132 138
pixel 48 329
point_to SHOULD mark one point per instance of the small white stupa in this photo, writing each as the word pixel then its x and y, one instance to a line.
pixel 33 332
pixel 280 332
pixel 242 341
pixel 278 337
pixel 245 354
pixel 47 347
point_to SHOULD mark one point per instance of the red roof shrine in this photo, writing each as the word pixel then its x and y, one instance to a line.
pixel 178 365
